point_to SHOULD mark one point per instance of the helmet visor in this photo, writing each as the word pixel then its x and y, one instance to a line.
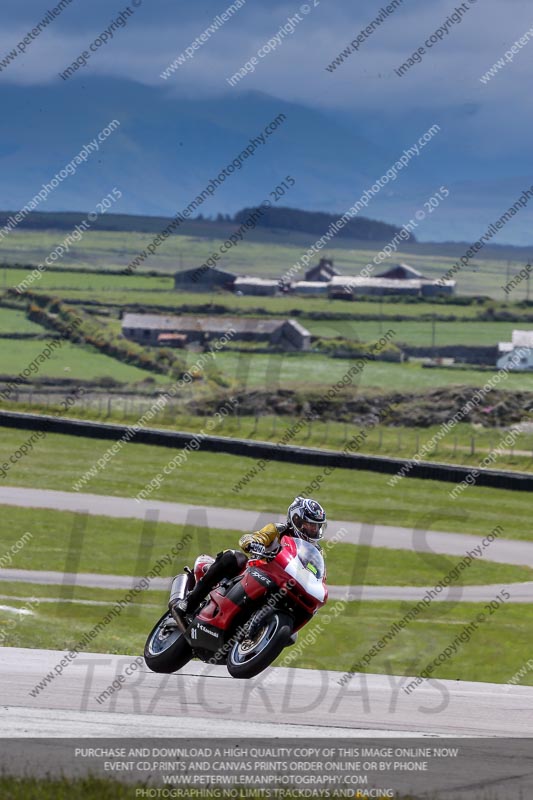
pixel 312 530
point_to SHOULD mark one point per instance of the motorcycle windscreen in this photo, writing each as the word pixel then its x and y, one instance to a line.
pixel 308 568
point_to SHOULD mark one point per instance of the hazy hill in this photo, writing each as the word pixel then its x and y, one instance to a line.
pixel 167 148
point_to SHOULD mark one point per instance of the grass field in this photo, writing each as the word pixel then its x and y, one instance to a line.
pixel 12 321
pixel 271 371
pixel 250 370
pixel 210 479
pixel 159 290
pixel 415 333
pixel 269 254
pixel 358 625
pixel 131 547
pixel 68 361
pixel 109 789
pixel 90 282
pixel 79 288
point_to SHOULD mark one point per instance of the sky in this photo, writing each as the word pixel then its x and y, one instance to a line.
pixel 494 117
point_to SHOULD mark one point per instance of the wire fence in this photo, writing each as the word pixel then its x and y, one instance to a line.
pixel 182 414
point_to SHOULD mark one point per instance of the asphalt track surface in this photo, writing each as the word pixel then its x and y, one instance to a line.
pixel 280 702
pixel 206 701
pixel 520 592
pixel 503 551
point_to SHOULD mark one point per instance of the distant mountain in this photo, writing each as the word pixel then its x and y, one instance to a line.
pixel 167 149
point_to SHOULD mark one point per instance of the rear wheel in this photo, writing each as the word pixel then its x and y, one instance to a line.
pixel 253 655
pixel 166 649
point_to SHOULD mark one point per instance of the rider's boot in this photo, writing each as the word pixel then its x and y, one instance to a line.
pixel 227 564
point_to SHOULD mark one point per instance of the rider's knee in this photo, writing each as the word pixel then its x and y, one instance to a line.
pixel 232 560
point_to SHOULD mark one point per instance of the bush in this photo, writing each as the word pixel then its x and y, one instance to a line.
pixel 77 326
pixel 346 348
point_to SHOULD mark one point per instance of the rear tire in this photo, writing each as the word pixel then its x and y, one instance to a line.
pixel 166 649
pixel 250 657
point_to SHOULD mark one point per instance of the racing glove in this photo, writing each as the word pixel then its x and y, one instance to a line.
pixel 256 549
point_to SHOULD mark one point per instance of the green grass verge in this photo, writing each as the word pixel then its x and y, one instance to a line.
pixel 58 626
pixel 68 361
pixel 89 788
pixel 68 542
pixel 486 656
pixel 104 789
pixel 341 641
pixel 58 461
pixel 466 446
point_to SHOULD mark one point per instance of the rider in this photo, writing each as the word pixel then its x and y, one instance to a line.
pixel 306 519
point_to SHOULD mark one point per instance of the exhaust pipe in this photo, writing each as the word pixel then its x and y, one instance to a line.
pixel 181 584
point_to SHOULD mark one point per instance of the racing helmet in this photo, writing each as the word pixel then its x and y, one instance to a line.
pixel 307 518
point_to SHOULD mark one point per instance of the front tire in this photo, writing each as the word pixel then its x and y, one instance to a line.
pixel 166 649
pixel 251 656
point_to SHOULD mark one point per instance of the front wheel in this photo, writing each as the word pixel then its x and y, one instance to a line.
pixel 166 649
pixel 251 656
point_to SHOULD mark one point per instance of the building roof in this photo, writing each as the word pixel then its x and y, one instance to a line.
pixel 213 324
pixel 298 327
pixel 248 280
pixel 195 273
pixel 505 347
pixel 310 285
pixel 402 272
pixel 522 338
pixel 518 339
pixel 324 270
pixel 360 283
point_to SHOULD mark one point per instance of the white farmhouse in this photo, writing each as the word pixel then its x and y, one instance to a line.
pixel 517 354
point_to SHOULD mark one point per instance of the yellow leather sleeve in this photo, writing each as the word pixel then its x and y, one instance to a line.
pixel 265 536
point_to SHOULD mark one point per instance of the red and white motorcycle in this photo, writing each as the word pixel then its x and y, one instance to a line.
pixel 245 621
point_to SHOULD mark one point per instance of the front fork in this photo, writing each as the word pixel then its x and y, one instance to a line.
pixel 181 586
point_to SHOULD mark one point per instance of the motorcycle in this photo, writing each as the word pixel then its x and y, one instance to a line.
pixel 246 621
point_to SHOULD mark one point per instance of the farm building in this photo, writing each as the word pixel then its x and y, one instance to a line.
pixel 323 271
pixel 346 286
pixel 154 330
pixel 400 279
pixel 315 288
pixel 256 286
pixel 402 272
pixel 518 353
pixel 428 287
pixel 203 279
